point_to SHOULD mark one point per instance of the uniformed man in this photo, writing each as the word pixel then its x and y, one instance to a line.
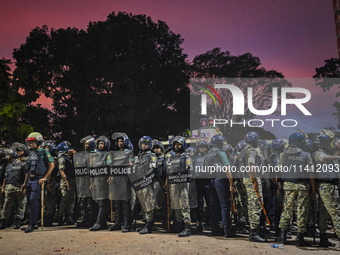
pixel 15 197
pixel 241 199
pixel 278 146
pixel 51 190
pixel 67 183
pixel 88 208
pixel 145 182
pixel 296 186
pixel 201 183
pixel 250 159
pixel 40 165
pixel 327 186
pixel 122 202
pixel 181 185
pixel 158 149
pixel 3 164
pixel 99 185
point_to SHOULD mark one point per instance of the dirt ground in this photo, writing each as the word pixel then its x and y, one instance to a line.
pixel 70 240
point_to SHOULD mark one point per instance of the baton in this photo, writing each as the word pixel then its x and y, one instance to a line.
pixel 258 196
pixel 111 205
pixel 233 201
pixel 42 205
pixel 168 205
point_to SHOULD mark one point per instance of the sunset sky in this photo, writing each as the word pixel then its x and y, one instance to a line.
pixel 293 36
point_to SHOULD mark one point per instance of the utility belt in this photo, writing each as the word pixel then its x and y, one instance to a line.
pixel 34 177
pixel 16 184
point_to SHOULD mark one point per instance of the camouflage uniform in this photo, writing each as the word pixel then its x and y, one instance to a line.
pixel 241 198
pixel 51 197
pixel 14 179
pixel 67 195
pixel 274 159
pixel 295 190
pixel 14 196
pixel 241 201
pixel 3 164
pixel 183 197
pixel 149 216
pixel 329 199
pixel 250 155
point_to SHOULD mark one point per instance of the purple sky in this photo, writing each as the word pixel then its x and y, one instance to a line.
pixel 292 37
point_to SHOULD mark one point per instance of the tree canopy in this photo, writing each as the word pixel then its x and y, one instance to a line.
pixel 331 69
pixel 126 73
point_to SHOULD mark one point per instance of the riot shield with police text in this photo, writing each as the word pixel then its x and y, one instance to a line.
pixel 119 167
pixel 182 188
pixel 145 183
pixel 98 171
pixel 82 174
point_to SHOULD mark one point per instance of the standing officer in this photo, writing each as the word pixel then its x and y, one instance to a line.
pixel 39 167
pixel 14 179
pixel 182 189
pixel 67 183
pixel 327 186
pixel 296 187
pixel 250 158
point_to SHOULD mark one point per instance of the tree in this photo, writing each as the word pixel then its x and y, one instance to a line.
pixel 331 69
pixel 126 73
pixel 244 71
pixel 11 108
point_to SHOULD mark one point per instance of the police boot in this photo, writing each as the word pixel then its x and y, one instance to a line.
pixel 228 232
pixel 146 229
pixel 323 240
pixel 92 214
pixel 241 229
pixel 199 227
pixel 254 236
pixel 84 219
pixel 282 237
pixel 3 223
pixel 186 231
pixel 300 241
pixel 118 221
pixel 29 229
pixel 126 217
pixel 17 223
pixel 97 227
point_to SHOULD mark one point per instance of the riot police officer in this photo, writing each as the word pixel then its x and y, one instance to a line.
pixel 67 183
pixel 99 185
pixel 14 179
pixel 119 185
pixel 201 183
pixel 52 191
pixel 220 186
pixel 145 183
pixel 87 205
pixel 181 186
pixel 250 158
pixel 327 184
pixel 40 165
pixel 296 186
